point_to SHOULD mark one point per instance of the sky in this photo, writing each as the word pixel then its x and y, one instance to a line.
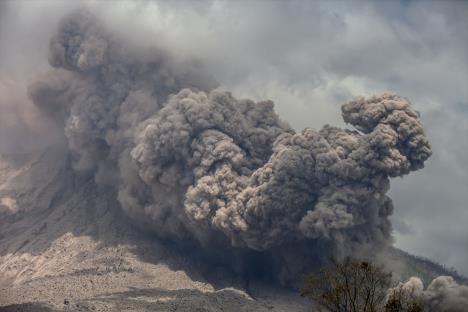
pixel 309 57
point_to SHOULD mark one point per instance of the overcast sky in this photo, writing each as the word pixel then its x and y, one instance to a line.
pixel 309 57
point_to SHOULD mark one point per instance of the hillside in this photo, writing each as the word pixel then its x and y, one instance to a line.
pixel 65 248
pixel 406 265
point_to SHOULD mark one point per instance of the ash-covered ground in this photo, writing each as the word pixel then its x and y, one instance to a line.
pixel 69 249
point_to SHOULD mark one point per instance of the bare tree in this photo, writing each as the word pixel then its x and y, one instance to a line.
pixel 349 286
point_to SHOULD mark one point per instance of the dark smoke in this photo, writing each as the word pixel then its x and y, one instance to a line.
pixel 190 163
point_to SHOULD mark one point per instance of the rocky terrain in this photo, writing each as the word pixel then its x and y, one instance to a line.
pixel 63 248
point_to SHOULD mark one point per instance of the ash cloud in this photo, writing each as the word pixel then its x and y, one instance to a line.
pixel 189 162
pixel 443 294
pixel 23 128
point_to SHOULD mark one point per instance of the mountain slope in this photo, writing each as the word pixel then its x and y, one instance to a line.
pixel 406 265
pixel 64 246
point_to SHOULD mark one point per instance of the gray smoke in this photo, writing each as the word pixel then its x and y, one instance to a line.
pixel 443 294
pixel 23 128
pixel 190 163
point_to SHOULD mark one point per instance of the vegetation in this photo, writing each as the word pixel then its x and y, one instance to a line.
pixel 357 286
pixel 422 267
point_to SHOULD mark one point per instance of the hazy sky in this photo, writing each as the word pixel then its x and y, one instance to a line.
pixel 309 57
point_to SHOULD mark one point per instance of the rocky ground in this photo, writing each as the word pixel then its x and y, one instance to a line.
pixel 63 247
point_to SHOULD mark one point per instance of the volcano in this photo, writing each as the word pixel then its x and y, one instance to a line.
pixel 165 193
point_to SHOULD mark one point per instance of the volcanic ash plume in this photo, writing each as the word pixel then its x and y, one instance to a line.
pixel 443 294
pixel 190 163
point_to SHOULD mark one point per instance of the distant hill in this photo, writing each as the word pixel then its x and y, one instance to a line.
pixel 407 265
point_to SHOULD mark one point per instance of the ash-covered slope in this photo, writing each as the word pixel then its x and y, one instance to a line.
pixel 65 247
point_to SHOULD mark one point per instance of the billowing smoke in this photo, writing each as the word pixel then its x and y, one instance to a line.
pixel 191 163
pixel 443 294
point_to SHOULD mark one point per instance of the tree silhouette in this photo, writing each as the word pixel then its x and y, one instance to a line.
pixel 349 286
